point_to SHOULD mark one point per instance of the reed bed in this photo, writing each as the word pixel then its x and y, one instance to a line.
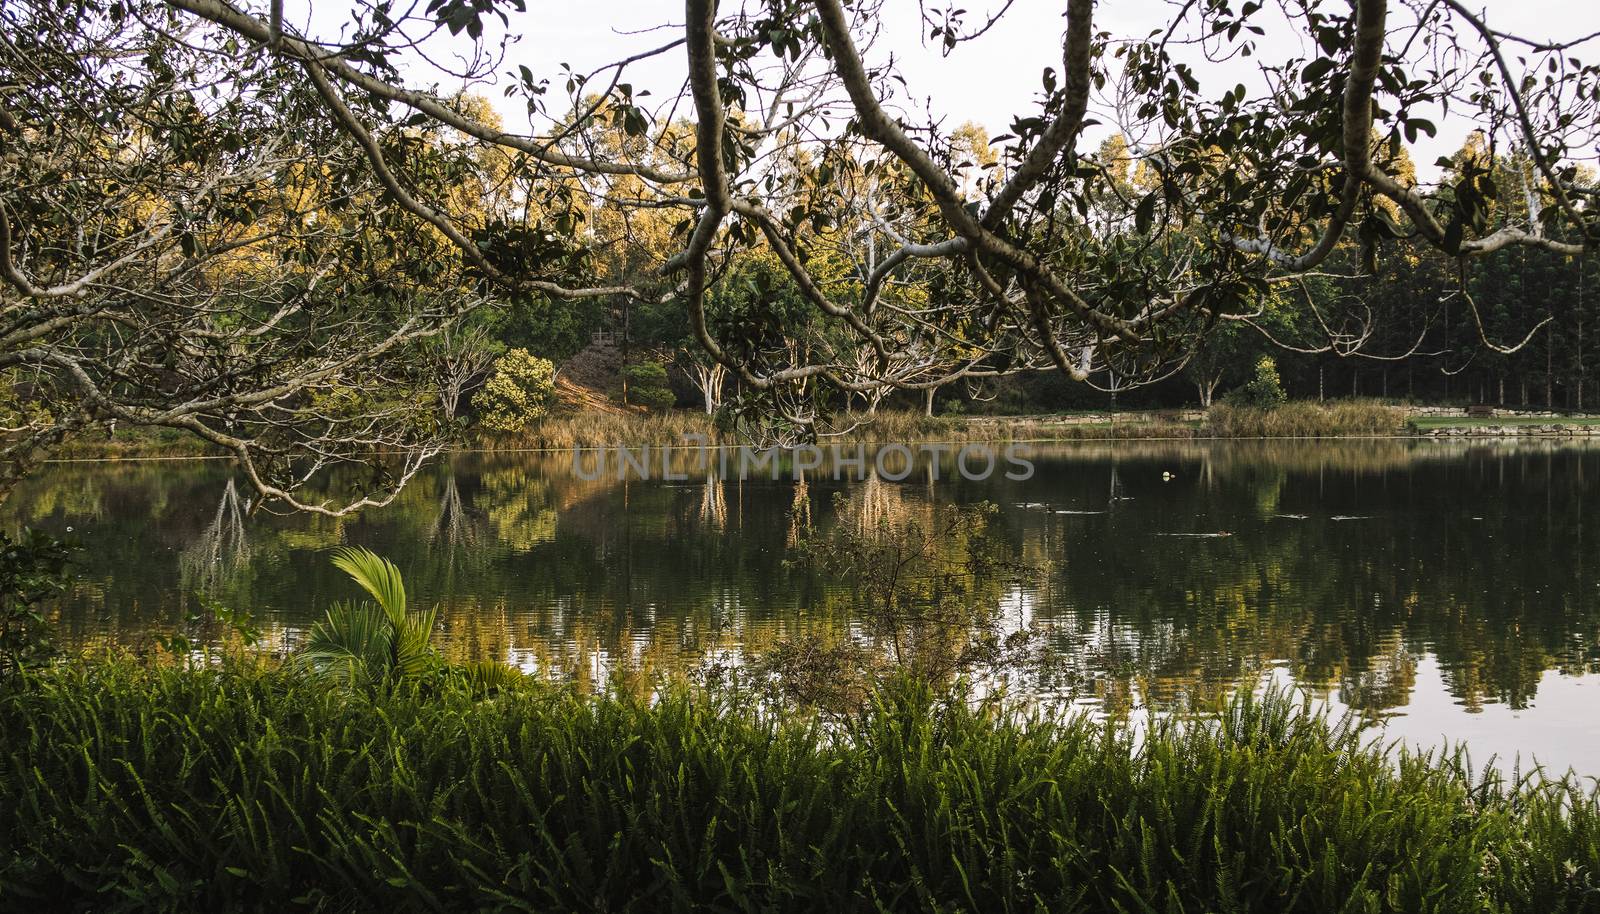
pixel 604 429
pixel 249 788
pixel 900 427
pixel 1304 419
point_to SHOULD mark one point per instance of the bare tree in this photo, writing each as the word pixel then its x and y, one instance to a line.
pixel 462 356
pixel 708 378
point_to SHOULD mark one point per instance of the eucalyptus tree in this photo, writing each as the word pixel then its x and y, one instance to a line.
pixel 1049 259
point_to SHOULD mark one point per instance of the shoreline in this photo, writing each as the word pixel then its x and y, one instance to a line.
pixel 154 451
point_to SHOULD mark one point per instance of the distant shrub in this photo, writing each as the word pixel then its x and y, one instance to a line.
pixel 1264 390
pixel 517 394
pixel 647 385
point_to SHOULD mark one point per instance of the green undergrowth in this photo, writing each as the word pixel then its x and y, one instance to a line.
pixel 251 787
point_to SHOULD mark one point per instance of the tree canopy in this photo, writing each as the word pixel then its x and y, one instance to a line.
pixel 218 220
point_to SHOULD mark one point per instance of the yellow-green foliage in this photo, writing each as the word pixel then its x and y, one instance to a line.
pixel 519 392
pixel 15 409
pixel 1265 390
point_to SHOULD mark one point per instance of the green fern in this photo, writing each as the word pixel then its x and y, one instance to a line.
pixel 486 677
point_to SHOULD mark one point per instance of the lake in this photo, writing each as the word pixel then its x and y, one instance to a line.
pixel 1449 589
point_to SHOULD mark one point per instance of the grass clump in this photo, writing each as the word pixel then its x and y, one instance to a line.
pixel 246 787
pixel 1304 419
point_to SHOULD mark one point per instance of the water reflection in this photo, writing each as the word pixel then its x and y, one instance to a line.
pixel 1384 574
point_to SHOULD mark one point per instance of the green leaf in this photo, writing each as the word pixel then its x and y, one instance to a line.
pixel 376 575
pixel 354 641
pixel 1145 213
pixel 1316 70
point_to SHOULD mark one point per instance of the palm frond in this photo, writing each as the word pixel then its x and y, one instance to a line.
pixel 413 652
pixel 354 642
pixel 377 576
pixel 485 677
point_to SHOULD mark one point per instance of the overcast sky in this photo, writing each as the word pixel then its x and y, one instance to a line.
pixel 988 81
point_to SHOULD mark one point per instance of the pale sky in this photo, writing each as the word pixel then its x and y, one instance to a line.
pixel 988 81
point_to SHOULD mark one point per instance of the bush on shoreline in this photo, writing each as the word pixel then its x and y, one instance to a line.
pixel 247 787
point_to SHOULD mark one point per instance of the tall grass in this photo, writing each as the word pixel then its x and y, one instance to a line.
pixel 901 427
pixel 252 788
pixel 597 429
pixel 1304 419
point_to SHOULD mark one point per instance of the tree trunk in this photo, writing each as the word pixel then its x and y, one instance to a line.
pixel 1549 371
pixel 1578 343
pixel 927 409
pixel 710 380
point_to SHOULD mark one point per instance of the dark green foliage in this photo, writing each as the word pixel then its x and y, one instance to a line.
pixel 33 568
pixel 646 385
pixel 241 788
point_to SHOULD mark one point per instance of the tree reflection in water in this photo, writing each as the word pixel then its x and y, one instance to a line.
pixel 1473 556
pixel 221 549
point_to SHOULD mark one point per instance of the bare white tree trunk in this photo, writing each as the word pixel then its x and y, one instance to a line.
pixel 709 378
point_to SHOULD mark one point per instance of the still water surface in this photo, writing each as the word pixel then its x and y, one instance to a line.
pixel 1450 589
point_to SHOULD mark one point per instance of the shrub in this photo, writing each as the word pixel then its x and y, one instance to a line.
pixel 1264 391
pixel 647 385
pixel 517 394
pixel 382 642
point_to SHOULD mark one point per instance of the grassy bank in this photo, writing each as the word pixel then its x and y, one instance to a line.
pixel 137 443
pixel 1299 419
pixel 1305 419
pixel 1433 422
pixel 606 429
pixel 245 788
pixel 1358 418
